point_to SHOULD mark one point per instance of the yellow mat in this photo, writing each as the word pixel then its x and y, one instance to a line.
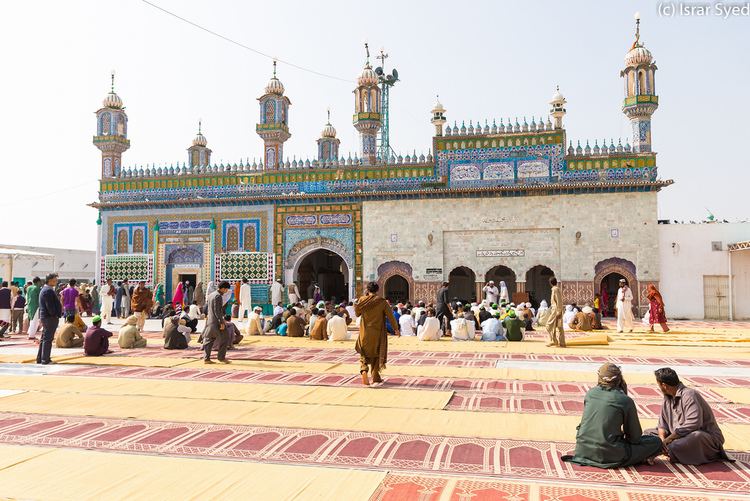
pixel 592 340
pixel 103 475
pixel 14 454
pixel 249 392
pixel 488 425
pixel 736 395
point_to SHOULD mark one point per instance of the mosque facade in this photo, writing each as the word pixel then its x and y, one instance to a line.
pixel 506 200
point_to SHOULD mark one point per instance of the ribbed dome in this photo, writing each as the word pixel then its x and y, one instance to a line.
pixel 200 140
pixel 638 55
pixel 367 77
pixel 112 101
pixel 329 131
pixel 274 86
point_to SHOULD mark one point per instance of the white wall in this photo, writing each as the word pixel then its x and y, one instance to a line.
pixel 685 256
pixel 69 263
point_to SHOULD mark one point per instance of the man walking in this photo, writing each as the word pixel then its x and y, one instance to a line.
pixel 141 304
pixel 50 311
pixel 372 342
pixel 245 300
pixel 555 317
pixel 215 325
pixel 32 306
pixel 443 309
pixel 70 298
pixel 108 299
pixel 624 307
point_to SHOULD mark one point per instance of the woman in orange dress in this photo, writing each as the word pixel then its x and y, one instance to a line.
pixel 656 313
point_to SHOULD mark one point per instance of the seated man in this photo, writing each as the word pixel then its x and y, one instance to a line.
pixel 687 424
pixel 461 329
pixel 175 332
pixel 233 334
pixel 194 311
pixel 407 324
pixel 295 326
pixel 96 339
pixel 610 434
pixel 129 336
pixel 69 335
pixel 336 327
pixel 430 330
pixel 492 329
pixel 581 322
pixel 483 314
pixel 513 327
pixel 254 327
pixel 319 331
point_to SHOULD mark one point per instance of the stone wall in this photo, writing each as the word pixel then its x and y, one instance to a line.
pixel 569 234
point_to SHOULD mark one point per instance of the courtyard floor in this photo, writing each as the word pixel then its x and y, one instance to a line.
pixel 289 419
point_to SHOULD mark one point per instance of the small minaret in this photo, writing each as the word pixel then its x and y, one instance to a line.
pixel 557 110
pixel 273 127
pixel 367 111
pixel 438 117
pixel 328 144
pixel 198 154
pixel 640 100
pixel 111 133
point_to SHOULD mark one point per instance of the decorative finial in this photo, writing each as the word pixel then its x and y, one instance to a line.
pixel 367 51
pixel 199 126
pixel 637 28
pixel 274 67
pixel 112 87
pixel 329 115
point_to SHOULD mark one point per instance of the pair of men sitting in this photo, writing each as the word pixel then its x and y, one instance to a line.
pixel 610 433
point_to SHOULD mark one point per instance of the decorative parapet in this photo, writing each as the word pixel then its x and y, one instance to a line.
pixel 739 246
pixel 643 98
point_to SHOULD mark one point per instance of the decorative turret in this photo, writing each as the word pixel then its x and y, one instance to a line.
pixel 367 110
pixel 557 110
pixel 438 117
pixel 198 154
pixel 273 127
pixel 328 144
pixel 111 132
pixel 641 100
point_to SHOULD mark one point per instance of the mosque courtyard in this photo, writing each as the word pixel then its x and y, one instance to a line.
pixel 290 419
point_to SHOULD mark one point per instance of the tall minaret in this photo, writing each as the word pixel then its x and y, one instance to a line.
pixel 111 133
pixel 557 108
pixel 328 144
pixel 273 127
pixel 199 155
pixel 367 111
pixel 438 117
pixel 641 100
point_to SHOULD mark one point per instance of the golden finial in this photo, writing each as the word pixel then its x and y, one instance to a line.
pixel 367 51
pixel 112 85
pixel 637 29
pixel 199 125
pixel 274 67
pixel 329 115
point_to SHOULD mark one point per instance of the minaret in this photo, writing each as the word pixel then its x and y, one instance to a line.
pixel 273 127
pixel 641 100
pixel 198 154
pixel 328 144
pixel 557 110
pixel 367 111
pixel 438 117
pixel 111 133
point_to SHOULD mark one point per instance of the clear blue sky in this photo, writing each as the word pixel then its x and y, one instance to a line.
pixel 486 59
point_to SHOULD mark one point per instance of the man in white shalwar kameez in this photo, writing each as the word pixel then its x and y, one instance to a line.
pixel 624 307
pixel 491 292
pixel 276 290
pixel 245 300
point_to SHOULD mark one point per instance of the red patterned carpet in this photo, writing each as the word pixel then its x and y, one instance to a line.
pixel 511 459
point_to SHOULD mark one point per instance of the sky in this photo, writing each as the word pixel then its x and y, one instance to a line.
pixel 486 59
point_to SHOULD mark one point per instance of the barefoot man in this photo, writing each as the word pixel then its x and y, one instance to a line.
pixel 372 343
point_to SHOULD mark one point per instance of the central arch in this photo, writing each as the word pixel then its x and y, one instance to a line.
pixel 325 267
pixel 462 284
pixel 537 284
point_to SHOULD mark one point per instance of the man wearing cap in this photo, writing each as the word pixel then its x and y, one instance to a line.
pixel 254 327
pixel 513 326
pixel 610 434
pixel 96 339
pixel 555 316
pixel 624 307
pixel 215 325
pixel 491 292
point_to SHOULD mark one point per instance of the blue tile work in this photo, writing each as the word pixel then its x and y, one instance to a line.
pixel 344 236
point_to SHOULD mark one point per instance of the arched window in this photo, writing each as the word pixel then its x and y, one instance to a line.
pixel 326 151
pixel 122 241
pixel 642 83
pixel 120 125
pixel 248 239
pixel 270 157
pixel 374 100
pixel 270 111
pixel 105 124
pixel 233 239
pixel 108 167
pixel 138 241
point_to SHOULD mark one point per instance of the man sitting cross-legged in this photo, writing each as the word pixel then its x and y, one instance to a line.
pixel 129 337
pixel 69 335
pixel 610 434
pixel 687 424
pixel 96 339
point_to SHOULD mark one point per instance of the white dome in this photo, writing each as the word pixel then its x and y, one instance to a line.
pixel 329 131
pixel 638 55
pixel 274 86
pixel 557 96
pixel 367 77
pixel 112 101
pixel 200 140
pixel 438 108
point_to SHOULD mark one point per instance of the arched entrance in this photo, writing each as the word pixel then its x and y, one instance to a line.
pixel 503 274
pixel 328 270
pixel 397 289
pixel 606 281
pixel 185 263
pixel 608 289
pixel 462 284
pixel 537 284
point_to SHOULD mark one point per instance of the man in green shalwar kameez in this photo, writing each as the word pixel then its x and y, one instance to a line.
pixel 610 434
